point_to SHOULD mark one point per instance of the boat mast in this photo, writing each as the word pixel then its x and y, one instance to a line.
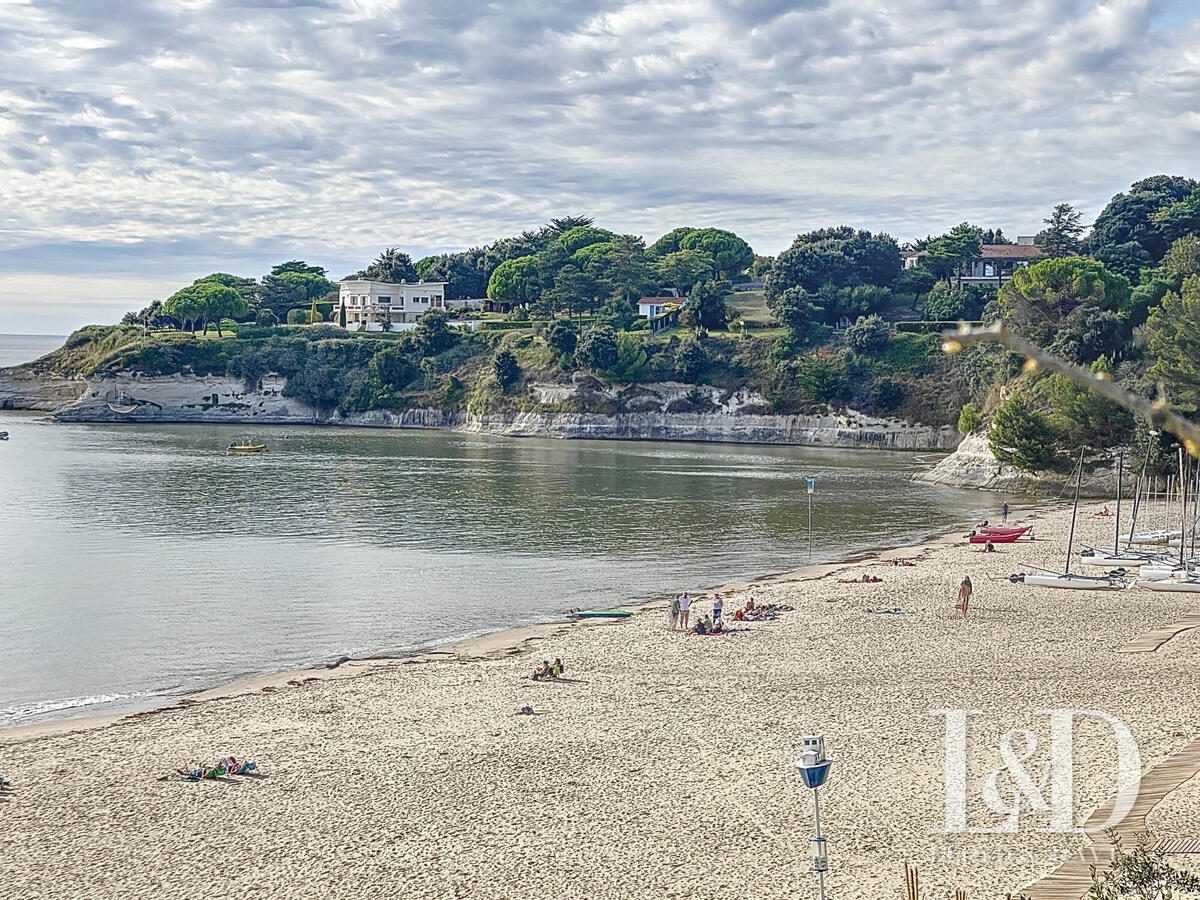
pixel 1138 491
pixel 1182 508
pixel 1117 529
pixel 1074 511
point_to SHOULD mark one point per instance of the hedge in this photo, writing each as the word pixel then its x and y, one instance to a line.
pixel 929 326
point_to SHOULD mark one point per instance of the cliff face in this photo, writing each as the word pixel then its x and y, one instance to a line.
pixel 185 398
pixel 23 388
pixel 189 398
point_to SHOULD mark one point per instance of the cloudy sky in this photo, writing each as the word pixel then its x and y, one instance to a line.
pixel 146 142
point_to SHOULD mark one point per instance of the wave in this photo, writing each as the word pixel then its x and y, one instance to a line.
pixel 13 715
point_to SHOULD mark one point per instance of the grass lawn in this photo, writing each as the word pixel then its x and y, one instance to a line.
pixel 750 305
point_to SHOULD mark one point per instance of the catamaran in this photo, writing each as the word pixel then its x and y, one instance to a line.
pixel 1115 580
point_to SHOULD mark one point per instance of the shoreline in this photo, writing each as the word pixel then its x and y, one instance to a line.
pixel 513 640
pixel 385 773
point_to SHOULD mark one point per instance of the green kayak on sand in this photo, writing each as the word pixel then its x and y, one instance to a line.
pixel 599 614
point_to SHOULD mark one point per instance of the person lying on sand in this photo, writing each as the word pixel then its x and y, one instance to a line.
pixel 903 562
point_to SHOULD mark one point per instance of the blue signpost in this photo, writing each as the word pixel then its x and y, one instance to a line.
pixel 814 769
pixel 810 483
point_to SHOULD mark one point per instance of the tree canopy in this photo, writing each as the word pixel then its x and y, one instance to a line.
pixel 1132 218
pixel 843 257
pixel 392 266
pixel 1174 338
pixel 515 281
pixel 1061 236
pixel 1070 305
pixel 730 254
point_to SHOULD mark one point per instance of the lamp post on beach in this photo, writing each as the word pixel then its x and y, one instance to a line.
pixel 809 483
pixel 814 769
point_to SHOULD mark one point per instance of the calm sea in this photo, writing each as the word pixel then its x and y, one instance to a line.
pixel 21 348
pixel 142 562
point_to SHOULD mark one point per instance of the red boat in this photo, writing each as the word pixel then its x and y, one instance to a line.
pixel 993 538
pixel 1002 529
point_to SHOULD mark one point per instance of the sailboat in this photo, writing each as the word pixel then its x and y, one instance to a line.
pixel 1177 575
pixel 1115 580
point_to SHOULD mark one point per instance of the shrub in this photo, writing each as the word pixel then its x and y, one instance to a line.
pixel 506 370
pixel 868 335
pixel 264 318
pixel 297 317
pixel 888 395
pixel 1022 437
pixel 969 419
pixel 914 281
pixel 692 360
pixel 562 336
pixel 822 377
pixel 597 348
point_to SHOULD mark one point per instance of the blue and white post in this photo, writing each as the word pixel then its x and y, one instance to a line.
pixel 814 769
pixel 810 483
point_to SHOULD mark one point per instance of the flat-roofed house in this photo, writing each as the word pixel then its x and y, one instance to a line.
pixel 995 264
pixel 367 305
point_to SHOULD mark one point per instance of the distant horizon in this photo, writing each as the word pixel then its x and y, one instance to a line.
pixel 134 161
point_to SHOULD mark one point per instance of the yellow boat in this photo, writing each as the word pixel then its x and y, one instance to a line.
pixel 246 448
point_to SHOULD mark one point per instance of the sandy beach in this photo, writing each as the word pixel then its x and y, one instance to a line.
pixel 664 766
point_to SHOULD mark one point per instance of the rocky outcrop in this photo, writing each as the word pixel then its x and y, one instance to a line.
pixel 186 398
pixel 972 465
pixel 21 387
pixel 668 412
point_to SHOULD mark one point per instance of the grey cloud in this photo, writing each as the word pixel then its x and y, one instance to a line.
pixel 334 127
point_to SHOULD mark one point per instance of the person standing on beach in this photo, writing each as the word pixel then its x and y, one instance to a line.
pixel 718 605
pixel 685 603
pixel 964 595
pixel 673 612
pixel 1004 512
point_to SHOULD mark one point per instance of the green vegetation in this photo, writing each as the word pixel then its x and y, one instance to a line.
pixel 840 322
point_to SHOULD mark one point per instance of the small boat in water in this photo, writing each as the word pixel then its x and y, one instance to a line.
pixel 246 448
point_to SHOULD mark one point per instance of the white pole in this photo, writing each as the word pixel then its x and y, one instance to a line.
pixel 810 526
pixel 817 826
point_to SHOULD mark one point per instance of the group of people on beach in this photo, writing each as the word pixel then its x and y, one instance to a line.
pixel 549 670
pixel 678 614
pixel 680 611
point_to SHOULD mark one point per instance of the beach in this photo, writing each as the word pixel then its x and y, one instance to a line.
pixel 664 766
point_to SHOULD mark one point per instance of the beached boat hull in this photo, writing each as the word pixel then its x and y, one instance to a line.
pixel 1148 537
pixel 246 448
pixel 1159 571
pixel 997 529
pixel 993 538
pixel 1179 587
pixel 1109 559
pixel 1070 582
pixel 600 614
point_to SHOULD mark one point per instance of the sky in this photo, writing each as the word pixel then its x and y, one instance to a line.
pixel 144 143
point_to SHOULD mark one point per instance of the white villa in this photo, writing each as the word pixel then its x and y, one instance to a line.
pixel 368 304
